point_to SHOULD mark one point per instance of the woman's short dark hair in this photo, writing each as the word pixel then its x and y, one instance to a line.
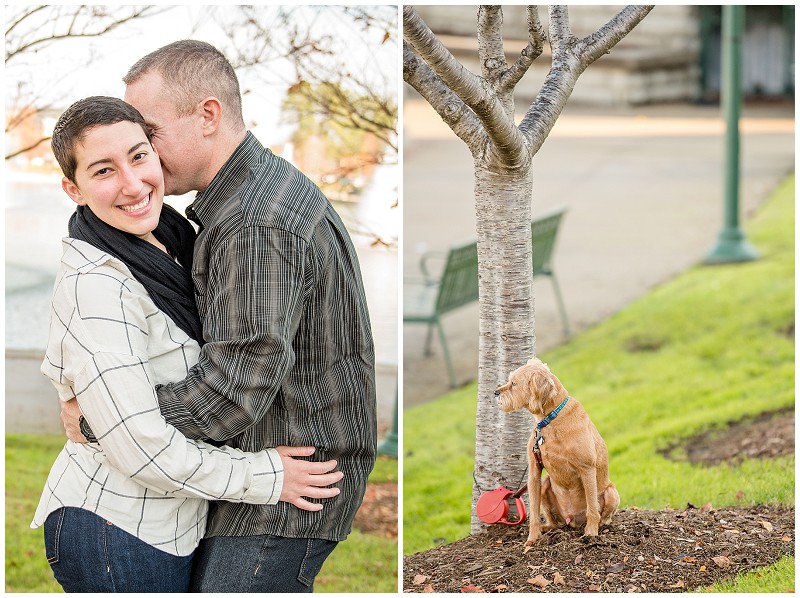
pixel 76 121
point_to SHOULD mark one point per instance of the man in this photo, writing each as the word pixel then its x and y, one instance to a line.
pixel 288 358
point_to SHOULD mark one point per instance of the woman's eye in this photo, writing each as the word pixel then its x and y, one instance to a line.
pixel 102 172
pixel 139 156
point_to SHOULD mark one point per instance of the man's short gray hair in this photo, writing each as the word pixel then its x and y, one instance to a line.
pixel 192 71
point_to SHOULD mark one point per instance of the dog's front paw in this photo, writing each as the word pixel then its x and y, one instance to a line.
pixel 533 538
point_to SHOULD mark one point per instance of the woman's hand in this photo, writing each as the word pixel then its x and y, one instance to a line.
pixel 303 478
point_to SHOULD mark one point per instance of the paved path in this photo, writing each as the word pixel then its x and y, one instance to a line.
pixel 644 188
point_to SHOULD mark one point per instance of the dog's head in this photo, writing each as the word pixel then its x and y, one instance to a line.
pixel 532 386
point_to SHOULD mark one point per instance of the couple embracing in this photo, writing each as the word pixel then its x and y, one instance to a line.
pixel 217 387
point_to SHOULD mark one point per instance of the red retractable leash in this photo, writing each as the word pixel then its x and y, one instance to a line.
pixel 496 506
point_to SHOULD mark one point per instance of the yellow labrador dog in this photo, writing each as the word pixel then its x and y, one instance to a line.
pixel 565 442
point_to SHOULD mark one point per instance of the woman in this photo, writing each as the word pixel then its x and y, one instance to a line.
pixel 125 512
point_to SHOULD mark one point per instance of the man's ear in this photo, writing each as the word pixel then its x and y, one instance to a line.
pixel 211 110
pixel 72 190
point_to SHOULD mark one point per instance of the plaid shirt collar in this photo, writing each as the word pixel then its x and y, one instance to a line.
pixel 230 177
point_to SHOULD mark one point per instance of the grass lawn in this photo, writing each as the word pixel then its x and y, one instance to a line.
pixel 713 345
pixel 363 563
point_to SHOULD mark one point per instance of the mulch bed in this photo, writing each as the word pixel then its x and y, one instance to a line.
pixel 378 513
pixel 764 436
pixel 640 551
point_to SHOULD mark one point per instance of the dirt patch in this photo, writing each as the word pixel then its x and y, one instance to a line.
pixel 640 551
pixel 761 437
pixel 378 513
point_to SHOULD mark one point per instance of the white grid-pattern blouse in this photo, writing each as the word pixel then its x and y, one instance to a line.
pixel 109 346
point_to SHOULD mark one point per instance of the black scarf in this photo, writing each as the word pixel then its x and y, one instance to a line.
pixel 168 283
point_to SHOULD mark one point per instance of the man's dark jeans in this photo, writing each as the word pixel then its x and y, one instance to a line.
pixel 258 564
pixel 89 554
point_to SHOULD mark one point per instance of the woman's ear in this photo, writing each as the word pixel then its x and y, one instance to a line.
pixel 72 190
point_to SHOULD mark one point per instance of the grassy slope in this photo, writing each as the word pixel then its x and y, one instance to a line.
pixel 363 563
pixel 705 348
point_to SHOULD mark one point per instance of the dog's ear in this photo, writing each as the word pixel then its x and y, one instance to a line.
pixel 541 385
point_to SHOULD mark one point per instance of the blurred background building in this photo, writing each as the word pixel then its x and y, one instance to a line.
pixel 673 55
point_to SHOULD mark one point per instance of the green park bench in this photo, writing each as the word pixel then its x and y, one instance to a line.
pixel 426 301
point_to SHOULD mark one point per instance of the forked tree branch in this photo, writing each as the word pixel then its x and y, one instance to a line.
pixel 570 58
pixel 474 91
pixel 536 39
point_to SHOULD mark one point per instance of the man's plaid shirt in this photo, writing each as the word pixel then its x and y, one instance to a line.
pixel 289 357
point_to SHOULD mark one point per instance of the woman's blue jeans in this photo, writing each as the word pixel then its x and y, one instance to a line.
pixel 89 554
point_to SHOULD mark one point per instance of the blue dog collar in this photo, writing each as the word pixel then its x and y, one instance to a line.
pixel 552 415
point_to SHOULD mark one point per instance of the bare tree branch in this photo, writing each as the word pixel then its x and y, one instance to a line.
pixel 428 47
pixel 534 49
pixel 490 42
pixel 474 91
pixel 74 30
pixel 454 112
pixel 27 148
pixel 600 42
pixel 570 58
pixel 561 37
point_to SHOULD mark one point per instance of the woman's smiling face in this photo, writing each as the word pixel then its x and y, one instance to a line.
pixel 118 175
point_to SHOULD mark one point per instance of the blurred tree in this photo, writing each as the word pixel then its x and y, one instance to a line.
pixel 33 29
pixel 361 98
pixel 357 129
pixel 257 36
pixel 480 111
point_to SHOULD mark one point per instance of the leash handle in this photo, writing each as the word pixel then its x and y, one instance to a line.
pixel 523 489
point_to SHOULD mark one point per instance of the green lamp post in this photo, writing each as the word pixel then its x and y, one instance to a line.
pixel 389 445
pixel 731 245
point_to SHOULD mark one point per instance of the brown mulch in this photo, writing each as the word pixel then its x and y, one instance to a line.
pixel 761 437
pixel 640 551
pixel 378 513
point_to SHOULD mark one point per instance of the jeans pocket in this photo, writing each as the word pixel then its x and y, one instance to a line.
pixel 52 535
pixel 316 552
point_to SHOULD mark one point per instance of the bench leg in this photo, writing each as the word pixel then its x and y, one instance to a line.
pixel 428 337
pixel 561 307
pixel 446 352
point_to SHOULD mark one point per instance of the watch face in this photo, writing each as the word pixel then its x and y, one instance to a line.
pixel 86 430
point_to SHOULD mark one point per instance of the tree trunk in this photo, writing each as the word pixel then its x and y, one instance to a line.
pixel 503 210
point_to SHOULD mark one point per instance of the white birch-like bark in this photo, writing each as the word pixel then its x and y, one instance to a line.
pixel 479 108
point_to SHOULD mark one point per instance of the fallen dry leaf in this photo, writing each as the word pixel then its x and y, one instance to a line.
pixel 420 579
pixel 707 508
pixel 472 590
pixel 678 584
pixel 578 559
pixel 722 562
pixel 594 588
pixel 558 579
pixel 428 589
pixel 786 539
pixel 616 568
pixel 766 525
pixel 703 568
pixel 501 588
pixel 539 581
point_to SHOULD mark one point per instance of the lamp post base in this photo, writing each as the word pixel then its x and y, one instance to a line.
pixel 731 247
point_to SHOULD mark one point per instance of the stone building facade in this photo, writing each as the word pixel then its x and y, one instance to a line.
pixel 673 55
